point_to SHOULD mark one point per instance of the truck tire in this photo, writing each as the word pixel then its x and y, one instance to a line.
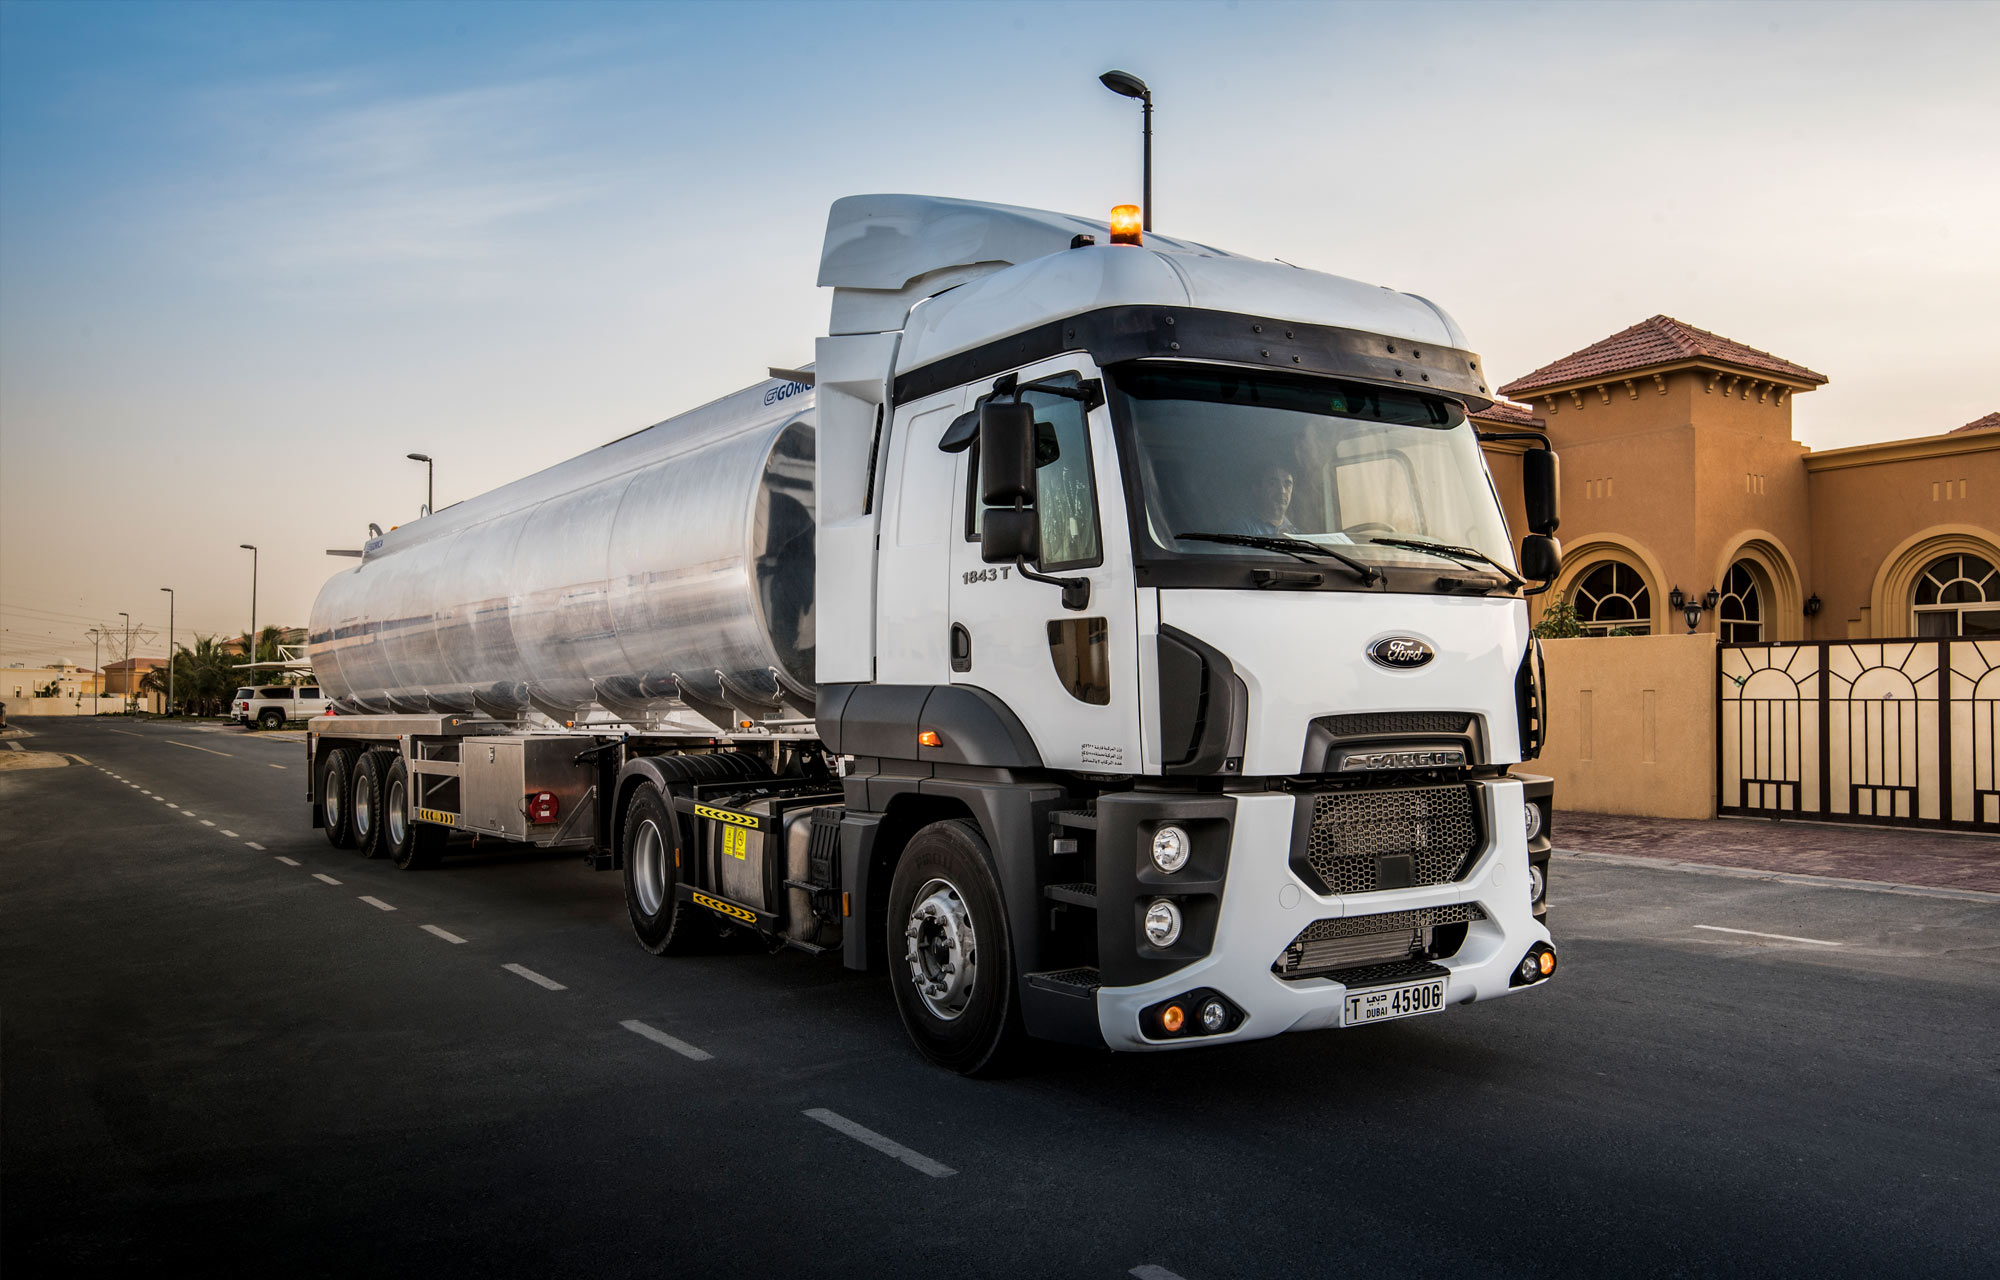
pixel 334 810
pixel 663 923
pixel 365 804
pixel 271 718
pixel 416 846
pixel 951 961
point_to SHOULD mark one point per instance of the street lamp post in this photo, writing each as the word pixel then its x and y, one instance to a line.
pixel 97 676
pixel 170 648
pixel 430 476
pixel 128 660
pixel 252 646
pixel 1125 84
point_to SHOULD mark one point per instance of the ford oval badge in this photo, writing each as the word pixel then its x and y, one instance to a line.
pixel 1401 653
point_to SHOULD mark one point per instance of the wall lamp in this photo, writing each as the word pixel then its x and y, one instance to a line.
pixel 1813 606
pixel 1691 609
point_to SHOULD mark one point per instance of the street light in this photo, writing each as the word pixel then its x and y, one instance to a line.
pixel 1125 84
pixel 252 646
pixel 170 648
pixel 128 660
pixel 97 676
pixel 430 470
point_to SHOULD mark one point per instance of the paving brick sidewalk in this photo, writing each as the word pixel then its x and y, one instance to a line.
pixel 1888 854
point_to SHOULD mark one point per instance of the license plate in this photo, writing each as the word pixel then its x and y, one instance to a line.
pixel 1384 1004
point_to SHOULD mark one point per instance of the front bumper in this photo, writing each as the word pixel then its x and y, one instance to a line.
pixel 1264 905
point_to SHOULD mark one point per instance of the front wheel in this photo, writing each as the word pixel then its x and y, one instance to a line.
pixel 652 846
pixel 950 956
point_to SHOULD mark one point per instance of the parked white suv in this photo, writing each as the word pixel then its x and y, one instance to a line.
pixel 270 706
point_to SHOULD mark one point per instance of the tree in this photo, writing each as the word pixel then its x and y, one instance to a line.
pixel 204 676
pixel 1559 620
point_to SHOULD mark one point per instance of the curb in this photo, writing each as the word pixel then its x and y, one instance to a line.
pixel 1785 877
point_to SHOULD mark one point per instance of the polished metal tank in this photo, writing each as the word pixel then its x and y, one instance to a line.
pixel 670 570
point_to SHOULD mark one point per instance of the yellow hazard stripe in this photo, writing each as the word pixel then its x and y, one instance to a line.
pixel 726 908
pixel 723 815
pixel 438 816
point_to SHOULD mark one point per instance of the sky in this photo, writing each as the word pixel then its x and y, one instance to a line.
pixel 251 255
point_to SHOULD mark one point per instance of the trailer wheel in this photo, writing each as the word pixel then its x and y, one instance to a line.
pixel 365 804
pixel 272 718
pixel 334 810
pixel 414 845
pixel 950 958
pixel 660 920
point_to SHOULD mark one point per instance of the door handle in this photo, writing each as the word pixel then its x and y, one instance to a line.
pixel 961 647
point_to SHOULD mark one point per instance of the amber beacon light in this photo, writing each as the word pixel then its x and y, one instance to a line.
pixel 1125 224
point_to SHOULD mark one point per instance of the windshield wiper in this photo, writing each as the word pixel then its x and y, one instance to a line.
pixel 1464 555
pixel 1297 547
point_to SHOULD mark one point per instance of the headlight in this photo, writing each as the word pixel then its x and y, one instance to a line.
pixel 1170 849
pixel 1538 884
pixel 1534 819
pixel 1163 923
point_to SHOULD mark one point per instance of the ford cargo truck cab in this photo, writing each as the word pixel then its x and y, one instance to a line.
pixel 1145 664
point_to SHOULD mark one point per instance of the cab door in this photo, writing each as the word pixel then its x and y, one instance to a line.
pixel 1071 676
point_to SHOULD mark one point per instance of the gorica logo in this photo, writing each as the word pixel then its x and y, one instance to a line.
pixel 1401 653
pixel 784 392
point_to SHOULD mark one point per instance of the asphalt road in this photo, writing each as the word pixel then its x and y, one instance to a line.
pixel 232 1047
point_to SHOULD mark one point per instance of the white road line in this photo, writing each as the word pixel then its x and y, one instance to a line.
pixel 281 857
pixel 161 799
pixel 869 1138
pixel 1152 1271
pixel 129 735
pixel 189 813
pixel 446 934
pixel 14 746
pixel 277 766
pixel 206 823
pixel 191 747
pixel 534 977
pixel 323 876
pixel 657 1036
pixel 1781 937
pixel 376 903
pixel 142 790
pixel 260 848
pixel 231 834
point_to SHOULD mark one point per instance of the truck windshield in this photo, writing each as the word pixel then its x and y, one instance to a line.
pixel 1256 464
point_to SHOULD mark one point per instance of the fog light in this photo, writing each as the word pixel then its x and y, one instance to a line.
pixel 1538 884
pixel 1530 968
pixel 1214 1016
pixel 1533 814
pixel 1163 923
pixel 1170 849
pixel 1172 1018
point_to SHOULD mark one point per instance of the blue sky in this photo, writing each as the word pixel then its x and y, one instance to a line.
pixel 252 254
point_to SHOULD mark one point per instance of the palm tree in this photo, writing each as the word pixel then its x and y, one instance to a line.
pixel 204 676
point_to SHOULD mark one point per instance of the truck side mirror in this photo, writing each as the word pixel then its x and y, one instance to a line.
pixel 1541 557
pixel 1008 534
pixel 1541 482
pixel 1007 454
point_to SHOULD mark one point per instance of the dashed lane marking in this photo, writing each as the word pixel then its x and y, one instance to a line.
pixel 231 834
pixel 1781 937
pixel 1152 1271
pixel 260 848
pixel 536 978
pixel 658 1036
pixel 376 903
pixel 888 1147
pixel 191 747
pixel 277 766
pixel 206 823
pixel 129 734
pixel 323 876
pixel 281 857
pixel 446 934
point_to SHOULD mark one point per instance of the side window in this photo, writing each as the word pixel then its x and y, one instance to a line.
pixel 1066 493
pixel 308 691
pixel 274 693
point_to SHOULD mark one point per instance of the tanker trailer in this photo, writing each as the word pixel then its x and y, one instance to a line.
pixel 1114 639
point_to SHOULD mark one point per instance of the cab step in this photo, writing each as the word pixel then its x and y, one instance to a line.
pixel 1076 895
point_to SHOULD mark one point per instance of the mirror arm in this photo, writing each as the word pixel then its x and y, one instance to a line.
pixel 1075 591
pixel 1496 436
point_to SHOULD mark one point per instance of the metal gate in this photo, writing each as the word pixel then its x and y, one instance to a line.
pixel 1898 732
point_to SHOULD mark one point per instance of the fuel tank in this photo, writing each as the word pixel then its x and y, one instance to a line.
pixel 665 572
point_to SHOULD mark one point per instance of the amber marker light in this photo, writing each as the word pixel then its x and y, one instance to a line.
pixel 1172 1018
pixel 929 738
pixel 1548 963
pixel 1125 224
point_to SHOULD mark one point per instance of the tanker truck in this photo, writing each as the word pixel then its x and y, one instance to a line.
pixel 1113 639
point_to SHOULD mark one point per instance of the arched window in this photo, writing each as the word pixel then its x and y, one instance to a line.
pixel 1742 609
pixel 1611 599
pixel 1958 595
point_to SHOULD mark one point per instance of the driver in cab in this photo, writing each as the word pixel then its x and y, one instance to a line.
pixel 1269 498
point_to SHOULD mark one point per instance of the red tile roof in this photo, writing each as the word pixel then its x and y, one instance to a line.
pixel 1507 413
pixel 1649 343
pixel 1991 422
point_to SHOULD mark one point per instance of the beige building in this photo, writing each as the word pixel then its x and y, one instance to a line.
pixel 62 689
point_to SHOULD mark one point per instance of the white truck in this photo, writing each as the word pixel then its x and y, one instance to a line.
pixel 1114 639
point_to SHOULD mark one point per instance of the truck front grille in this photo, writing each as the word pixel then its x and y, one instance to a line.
pixel 1352 832
pixel 1353 941
pixel 1376 723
